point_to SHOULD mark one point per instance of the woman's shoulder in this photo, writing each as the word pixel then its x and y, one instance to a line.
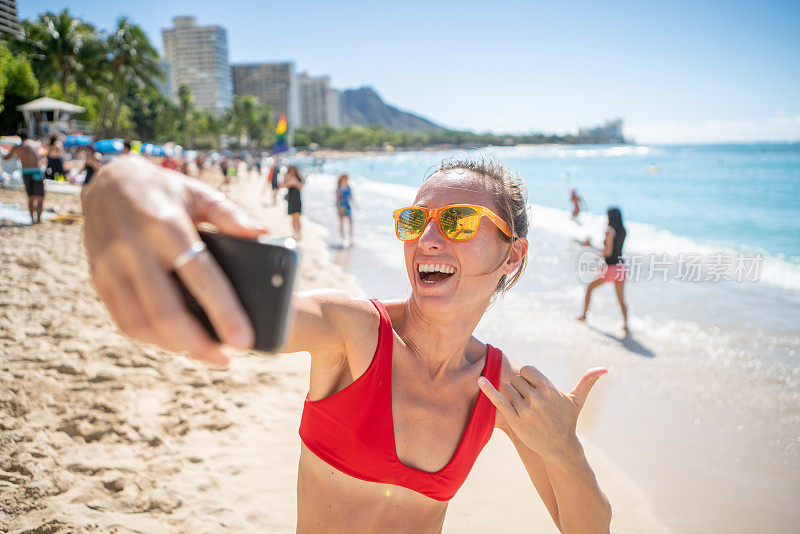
pixel 337 301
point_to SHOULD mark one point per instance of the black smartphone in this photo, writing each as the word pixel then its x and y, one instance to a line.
pixel 262 273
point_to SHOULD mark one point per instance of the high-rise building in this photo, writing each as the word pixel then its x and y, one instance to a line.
pixel 9 22
pixel 273 84
pixel 333 108
pixel 199 58
pixel 319 103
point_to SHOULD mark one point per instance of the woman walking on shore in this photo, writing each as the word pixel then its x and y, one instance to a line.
pixel 344 199
pixel 293 182
pixel 615 266
pixel 402 396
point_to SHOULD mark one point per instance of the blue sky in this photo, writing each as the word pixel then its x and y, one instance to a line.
pixel 675 71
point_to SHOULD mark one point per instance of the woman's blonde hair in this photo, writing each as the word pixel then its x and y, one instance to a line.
pixel 510 196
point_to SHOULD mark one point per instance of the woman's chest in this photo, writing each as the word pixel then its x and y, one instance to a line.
pixel 429 421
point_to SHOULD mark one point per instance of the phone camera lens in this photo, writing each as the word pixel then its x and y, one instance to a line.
pixel 280 261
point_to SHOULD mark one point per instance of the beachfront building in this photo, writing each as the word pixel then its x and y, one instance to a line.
pixel 199 59
pixel 608 132
pixel 273 84
pixel 333 108
pixel 319 103
pixel 9 21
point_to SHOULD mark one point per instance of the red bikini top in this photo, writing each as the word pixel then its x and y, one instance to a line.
pixel 353 431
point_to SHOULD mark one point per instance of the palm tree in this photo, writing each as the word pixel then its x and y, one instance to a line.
pixel 133 64
pixel 249 117
pixel 60 48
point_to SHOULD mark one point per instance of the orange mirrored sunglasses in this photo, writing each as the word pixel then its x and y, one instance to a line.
pixel 457 222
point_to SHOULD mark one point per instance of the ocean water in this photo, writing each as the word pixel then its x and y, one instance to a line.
pixel 733 207
pixel 710 375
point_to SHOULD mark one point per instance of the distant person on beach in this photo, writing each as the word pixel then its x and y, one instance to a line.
pixel 402 396
pixel 293 182
pixel 223 168
pixel 55 159
pixel 126 148
pixel 576 204
pixel 32 176
pixel 272 179
pixel 344 198
pixel 92 162
pixel 615 266
pixel 169 163
pixel 233 169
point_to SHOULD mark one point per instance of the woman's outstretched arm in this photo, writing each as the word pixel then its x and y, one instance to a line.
pixel 541 421
pixel 139 219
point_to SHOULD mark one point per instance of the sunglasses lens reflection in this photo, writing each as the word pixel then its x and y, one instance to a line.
pixel 411 223
pixel 459 222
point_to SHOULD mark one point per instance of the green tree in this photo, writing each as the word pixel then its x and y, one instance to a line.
pixel 17 86
pixel 248 117
pixel 132 65
pixel 60 49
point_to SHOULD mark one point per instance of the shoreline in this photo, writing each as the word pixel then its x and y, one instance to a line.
pixel 98 431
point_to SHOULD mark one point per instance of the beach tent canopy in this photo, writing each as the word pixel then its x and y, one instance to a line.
pixel 77 140
pixel 50 104
pixel 48 116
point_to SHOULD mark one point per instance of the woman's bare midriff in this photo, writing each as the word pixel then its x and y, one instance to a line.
pixel 330 501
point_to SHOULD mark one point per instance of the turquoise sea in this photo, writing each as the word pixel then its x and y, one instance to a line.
pixel 737 195
pixel 710 375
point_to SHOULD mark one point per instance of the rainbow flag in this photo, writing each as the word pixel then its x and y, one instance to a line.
pixel 280 142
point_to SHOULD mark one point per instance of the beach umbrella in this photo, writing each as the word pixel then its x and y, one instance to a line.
pixel 109 146
pixel 152 150
pixel 77 140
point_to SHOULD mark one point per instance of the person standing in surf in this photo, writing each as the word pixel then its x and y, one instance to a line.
pixel 615 266
pixel 344 198
pixel 576 204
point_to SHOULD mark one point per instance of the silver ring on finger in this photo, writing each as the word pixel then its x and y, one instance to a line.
pixel 194 250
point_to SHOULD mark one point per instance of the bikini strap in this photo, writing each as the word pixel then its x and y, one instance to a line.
pixel 494 362
pixel 383 352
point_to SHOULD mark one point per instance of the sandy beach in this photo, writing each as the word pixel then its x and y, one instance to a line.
pixel 99 433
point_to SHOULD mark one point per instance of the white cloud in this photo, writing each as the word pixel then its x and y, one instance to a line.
pixel 781 127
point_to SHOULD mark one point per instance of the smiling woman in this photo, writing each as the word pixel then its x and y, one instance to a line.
pixel 402 396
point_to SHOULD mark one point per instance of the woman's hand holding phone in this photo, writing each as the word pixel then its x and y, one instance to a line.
pixel 139 219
